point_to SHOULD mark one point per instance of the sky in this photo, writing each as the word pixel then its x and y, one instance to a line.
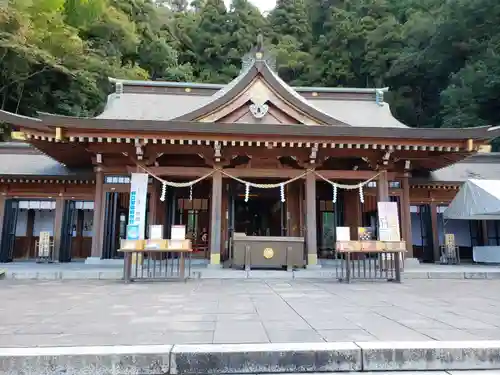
pixel 263 5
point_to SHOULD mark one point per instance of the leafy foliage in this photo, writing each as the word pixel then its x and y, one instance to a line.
pixel 440 58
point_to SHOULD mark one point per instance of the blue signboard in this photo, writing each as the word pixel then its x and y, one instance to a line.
pixel 132 232
pixel 137 204
pixel 131 213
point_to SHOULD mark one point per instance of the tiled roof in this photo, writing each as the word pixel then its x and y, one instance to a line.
pixel 479 166
pixel 168 105
pixel 359 113
pixel 161 107
pixel 21 159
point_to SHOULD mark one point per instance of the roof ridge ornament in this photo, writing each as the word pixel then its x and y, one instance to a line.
pixel 119 88
pixel 379 97
pixel 258 53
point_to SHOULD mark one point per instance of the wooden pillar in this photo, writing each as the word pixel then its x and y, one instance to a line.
pixel 293 202
pixel 311 227
pixel 224 221
pixel 153 204
pixel 3 199
pixel 484 232
pixel 31 251
pixel 406 217
pixel 77 242
pixel 383 187
pixel 435 235
pixel 216 218
pixel 302 201
pixel 97 228
pixel 58 230
pixel 352 212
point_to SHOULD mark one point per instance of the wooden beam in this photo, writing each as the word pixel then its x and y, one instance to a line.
pixel 178 149
pixel 435 234
pixel 262 173
pixel 216 219
pixel 58 230
pixel 97 234
pixel 406 217
pixel 383 186
pixel 311 225
pixel 3 200
pixel 175 171
pixel 132 134
pixel 110 148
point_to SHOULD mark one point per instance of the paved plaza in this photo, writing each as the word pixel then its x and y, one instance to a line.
pixel 60 313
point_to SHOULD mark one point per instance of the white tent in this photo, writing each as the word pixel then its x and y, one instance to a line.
pixel 476 200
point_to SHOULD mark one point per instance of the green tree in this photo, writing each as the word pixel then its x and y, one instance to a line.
pixel 291 18
pixel 245 23
pixel 211 43
pixel 439 57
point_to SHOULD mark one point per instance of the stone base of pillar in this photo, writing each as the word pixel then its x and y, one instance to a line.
pixel 312 261
pixel 97 261
pixel 211 266
pixel 313 266
pixel 215 260
pixel 411 263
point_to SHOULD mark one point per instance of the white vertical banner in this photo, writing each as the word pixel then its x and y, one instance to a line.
pixel 137 206
pixel 388 221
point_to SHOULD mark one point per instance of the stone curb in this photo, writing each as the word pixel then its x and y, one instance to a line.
pixel 430 355
pixel 91 360
pixel 361 357
pixel 64 275
pixel 234 274
pixel 264 358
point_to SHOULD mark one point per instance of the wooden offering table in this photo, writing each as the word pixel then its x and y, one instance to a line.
pixel 382 260
pixel 156 260
pixel 267 252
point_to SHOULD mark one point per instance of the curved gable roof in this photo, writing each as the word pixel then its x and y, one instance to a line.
pixel 240 83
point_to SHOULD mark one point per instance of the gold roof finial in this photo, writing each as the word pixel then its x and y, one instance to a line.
pixel 259 54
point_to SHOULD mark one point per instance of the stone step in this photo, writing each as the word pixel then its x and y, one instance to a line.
pixel 237 359
pixel 35 273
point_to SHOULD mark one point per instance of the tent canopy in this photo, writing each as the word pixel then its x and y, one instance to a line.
pixel 476 200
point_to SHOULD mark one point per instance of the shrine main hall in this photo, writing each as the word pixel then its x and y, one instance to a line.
pixel 254 156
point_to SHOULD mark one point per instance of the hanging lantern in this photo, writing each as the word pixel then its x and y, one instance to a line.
pixel 334 200
pixel 247 191
pixel 163 191
pixel 361 196
pixel 190 192
pixel 282 192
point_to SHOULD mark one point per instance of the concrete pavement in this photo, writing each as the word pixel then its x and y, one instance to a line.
pixel 79 313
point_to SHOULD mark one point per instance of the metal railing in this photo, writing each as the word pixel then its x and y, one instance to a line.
pixel 156 265
pixel 449 254
pixel 372 266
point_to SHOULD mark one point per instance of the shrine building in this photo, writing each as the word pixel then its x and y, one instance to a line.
pixel 254 156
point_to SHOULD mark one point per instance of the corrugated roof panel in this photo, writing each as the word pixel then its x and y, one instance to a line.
pixel 359 113
pixel 479 166
pixel 31 165
pixel 153 107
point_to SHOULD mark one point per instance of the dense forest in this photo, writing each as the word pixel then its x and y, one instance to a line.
pixel 440 58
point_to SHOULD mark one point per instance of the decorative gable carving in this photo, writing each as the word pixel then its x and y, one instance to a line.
pixel 258 99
